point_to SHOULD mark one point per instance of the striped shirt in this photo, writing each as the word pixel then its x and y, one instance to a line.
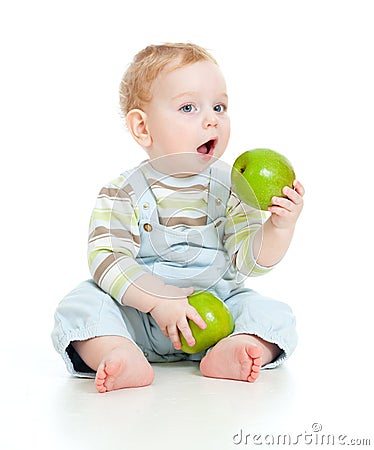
pixel 114 236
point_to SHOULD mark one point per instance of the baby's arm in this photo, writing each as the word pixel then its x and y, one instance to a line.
pixel 271 243
pixel 114 243
pixel 255 246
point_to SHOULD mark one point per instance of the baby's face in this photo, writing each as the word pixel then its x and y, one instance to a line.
pixel 187 118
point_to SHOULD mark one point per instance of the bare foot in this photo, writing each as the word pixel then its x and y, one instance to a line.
pixel 236 358
pixel 123 367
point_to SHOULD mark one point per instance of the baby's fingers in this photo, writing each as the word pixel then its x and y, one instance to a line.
pixel 187 333
pixel 185 329
pixel 282 203
pixel 174 336
pixel 193 315
pixel 292 195
pixel 299 188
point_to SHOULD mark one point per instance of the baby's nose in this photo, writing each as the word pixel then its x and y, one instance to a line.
pixel 210 120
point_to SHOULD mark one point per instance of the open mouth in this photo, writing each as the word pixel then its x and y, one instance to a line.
pixel 208 147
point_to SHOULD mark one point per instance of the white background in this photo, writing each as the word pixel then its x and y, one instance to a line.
pixel 300 80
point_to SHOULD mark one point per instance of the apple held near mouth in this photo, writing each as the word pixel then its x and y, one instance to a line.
pixel 217 317
pixel 260 174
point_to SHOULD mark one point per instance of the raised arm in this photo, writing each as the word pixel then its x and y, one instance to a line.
pixel 271 243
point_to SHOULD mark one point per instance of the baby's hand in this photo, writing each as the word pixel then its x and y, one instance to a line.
pixel 172 312
pixel 286 211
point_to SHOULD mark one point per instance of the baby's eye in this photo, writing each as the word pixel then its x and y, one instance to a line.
pixel 188 108
pixel 219 108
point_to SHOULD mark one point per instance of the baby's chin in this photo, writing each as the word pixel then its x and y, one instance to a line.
pixel 182 164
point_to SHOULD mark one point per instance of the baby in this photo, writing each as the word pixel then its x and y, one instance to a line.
pixel 171 226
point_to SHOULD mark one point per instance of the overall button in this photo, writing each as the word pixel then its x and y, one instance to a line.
pixel 147 227
pixel 218 201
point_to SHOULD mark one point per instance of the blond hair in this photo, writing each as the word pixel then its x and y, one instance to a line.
pixel 136 83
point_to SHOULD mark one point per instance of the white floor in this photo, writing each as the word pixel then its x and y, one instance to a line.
pixel 184 410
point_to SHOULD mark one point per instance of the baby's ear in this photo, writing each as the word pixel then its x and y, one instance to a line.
pixel 136 121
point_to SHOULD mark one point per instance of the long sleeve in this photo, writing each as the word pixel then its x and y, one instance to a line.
pixel 114 239
pixel 242 224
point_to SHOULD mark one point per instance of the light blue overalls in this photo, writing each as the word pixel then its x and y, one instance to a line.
pixel 194 256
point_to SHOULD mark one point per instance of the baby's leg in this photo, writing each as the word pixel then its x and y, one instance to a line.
pixel 239 357
pixel 118 362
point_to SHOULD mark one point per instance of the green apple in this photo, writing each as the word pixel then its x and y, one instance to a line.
pixel 217 317
pixel 260 174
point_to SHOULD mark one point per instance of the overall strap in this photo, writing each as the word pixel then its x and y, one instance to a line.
pixel 219 190
pixel 146 201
